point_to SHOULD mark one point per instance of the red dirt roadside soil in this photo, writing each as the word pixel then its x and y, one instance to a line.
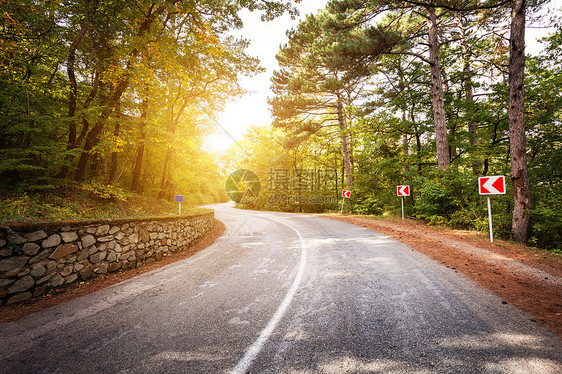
pixel 16 311
pixel 536 290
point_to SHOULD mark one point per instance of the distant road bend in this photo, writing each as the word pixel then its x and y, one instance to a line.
pixel 285 293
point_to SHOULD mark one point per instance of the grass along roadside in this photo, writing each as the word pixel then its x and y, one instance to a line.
pixel 86 201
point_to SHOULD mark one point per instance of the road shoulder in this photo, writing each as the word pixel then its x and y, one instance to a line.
pixel 528 279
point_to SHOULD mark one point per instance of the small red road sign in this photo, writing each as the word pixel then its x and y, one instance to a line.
pixel 491 185
pixel 346 193
pixel 403 190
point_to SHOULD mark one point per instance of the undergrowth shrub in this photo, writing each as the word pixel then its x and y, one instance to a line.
pixel 546 225
pixel 105 191
pixel 445 195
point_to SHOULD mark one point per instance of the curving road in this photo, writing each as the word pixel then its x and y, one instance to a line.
pixel 285 293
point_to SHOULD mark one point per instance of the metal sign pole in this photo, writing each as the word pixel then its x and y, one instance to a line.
pixel 402 208
pixel 342 201
pixel 490 219
pixel 179 199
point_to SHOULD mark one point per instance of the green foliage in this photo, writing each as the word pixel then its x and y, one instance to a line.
pixel 105 191
pixel 119 99
pixel 74 202
pixel 546 228
pixel 377 53
pixel 444 195
pixel 116 98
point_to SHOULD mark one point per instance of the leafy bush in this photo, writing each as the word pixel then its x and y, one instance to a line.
pixel 105 191
pixel 546 225
pixel 452 199
pixel 444 195
pixel 369 205
pixel 469 218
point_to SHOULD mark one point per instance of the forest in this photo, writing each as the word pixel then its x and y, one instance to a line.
pixel 430 94
pixel 112 99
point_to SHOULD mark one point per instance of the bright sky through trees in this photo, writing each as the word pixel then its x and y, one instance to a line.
pixel 104 101
pixel 252 109
pixel 266 37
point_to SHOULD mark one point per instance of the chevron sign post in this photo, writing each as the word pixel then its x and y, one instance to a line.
pixel 346 194
pixel 403 191
pixel 491 186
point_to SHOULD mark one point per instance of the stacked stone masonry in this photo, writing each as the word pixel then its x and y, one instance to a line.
pixel 35 259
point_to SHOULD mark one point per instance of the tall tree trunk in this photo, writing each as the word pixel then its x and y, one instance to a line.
pixel 405 144
pixel 171 126
pixel 114 154
pixel 164 180
pixel 73 86
pixel 93 137
pixel 419 152
pixel 519 176
pixel 72 96
pixel 345 144
pixel 136 183
pixel 467 80
pixel 440 120
pixel 472 129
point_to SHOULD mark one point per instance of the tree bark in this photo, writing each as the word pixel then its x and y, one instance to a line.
pixel 518 147
pixel 405 144
pixel 114 154
pixel 345 144
pixel 171 126
pixel 73 86
pixel 136 182
pixel 93 137
pixel 467 81
pixel 440 120
pixel 164 180
pixel 72 95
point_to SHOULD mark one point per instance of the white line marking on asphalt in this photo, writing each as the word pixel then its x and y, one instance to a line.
pixel 257 346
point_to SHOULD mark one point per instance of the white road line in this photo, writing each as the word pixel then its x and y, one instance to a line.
pixel 257 346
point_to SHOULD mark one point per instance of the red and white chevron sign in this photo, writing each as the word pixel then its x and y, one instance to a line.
pixel 346 193
pixel 491 185
pixel 403 190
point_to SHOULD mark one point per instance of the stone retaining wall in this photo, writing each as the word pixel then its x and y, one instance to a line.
pixel 35 259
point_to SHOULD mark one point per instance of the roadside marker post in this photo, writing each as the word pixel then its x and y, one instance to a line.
pixel 487 186
pixel 491 229
pixel 346 194
pixel 179 199
pixel 403 191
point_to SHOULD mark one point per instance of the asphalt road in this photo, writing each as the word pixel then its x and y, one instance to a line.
pixel 282 293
